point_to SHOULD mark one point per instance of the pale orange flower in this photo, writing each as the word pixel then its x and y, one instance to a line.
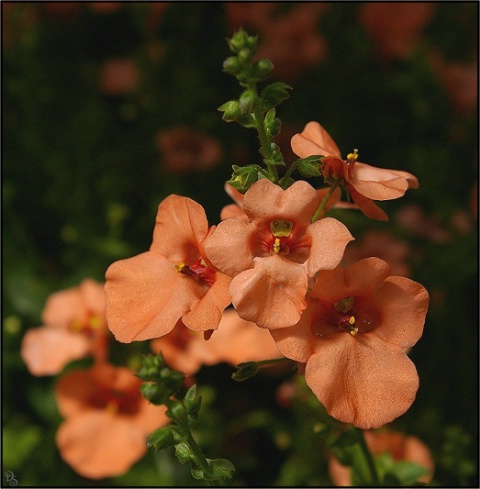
pixel 107 420
pixel 272 255
pixel 184 149
pixel 353 337
pixel 147 294
pixel 74 327
pixel 398 445
pixel 395 27
pixel 235 341
pixel 363 182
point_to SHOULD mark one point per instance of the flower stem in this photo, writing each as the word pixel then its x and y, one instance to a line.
pixel 368 457
pixel 200 459
pixel 324 201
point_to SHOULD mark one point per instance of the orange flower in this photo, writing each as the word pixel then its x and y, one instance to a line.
pixel 235 341
pixel 363 182
pixel 107 420
pixel 147 294
pixel 399 446
pixel 353 336
pixel 74 326
pixel 272 255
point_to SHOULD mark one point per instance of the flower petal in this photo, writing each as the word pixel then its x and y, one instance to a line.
pixel 272 294
pixel 97 444
pixel 329 239
pixel 207 312
pixel 362 380
pixel 314 140
pixel 146 296
pixel 265 200
pixel 367 206
pixel 181 224
pixel 228 246
pixel 47 350
pixel 405 303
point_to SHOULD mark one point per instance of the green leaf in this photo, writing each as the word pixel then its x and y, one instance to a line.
pixel 222 468
pixel 407 472
pixel 275 93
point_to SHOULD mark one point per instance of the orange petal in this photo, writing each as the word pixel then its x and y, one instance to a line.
pixel 298 341
pixel 97 444
pixel 362 380
pixel 146 296
pixel 367 206
pixel 405 304
pixel 329 239
pixel 272 294
pixel 228 246
pixel 265 200
pixel 47 350
pixel 378 183
pixel 314 140
pixel 206 313
pixel 181 224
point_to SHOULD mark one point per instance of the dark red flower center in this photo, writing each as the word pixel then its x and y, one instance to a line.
pixel 198 270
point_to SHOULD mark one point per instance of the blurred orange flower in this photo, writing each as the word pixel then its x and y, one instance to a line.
pixel 74 327
pixel 147 294
pixel 107 420
pixel 395 27
pixel 363 182
pixel 353 336
pixel 235 341
pixel 398 445
pixel 184 150
pixel 272 255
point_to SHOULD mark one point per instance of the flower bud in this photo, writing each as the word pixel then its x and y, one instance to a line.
pixel 275 93
pixel 232 65
pixel 243 177
pixel 247 100
pixel 262 68
pixel 231 110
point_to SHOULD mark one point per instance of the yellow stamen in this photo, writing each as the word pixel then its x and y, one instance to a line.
pixel 353 331
pixel 276 245
pixel 353 156
pixel 95 322
pixel 180 266
pixel 351 320
pixel 281 228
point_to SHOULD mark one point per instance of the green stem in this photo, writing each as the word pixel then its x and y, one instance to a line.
pixel 265 147
pixel 324 201
pixel 200 458
pixel 292 168
pixel 368 457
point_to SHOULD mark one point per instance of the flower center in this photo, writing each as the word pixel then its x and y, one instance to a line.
pixel 197 270
pixel 281 230
pixel 87 326
pixel 347 315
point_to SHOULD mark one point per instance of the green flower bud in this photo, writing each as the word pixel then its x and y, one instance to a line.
pixel 245 54
pixel 247 100
pixel 161 438
pixel 261 69
pixel 238 41
pixel 231 110
pixel 243 177
pixel 232 65
pixel 184 453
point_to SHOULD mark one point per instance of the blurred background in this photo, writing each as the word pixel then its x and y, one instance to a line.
pixel 110 107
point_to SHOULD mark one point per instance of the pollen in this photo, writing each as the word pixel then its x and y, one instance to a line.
pixel 276 245
pixel 353 156
pixel 353 331
pixel 180 266
pixel 351 320
pixel 281 228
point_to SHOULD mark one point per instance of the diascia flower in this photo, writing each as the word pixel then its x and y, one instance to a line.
pixel 272 254
pixel 74 327
pixel 107 420
pixel 399 446
pixel 147 294
pixel 353 337
pixel 235 341
pixel 363 182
